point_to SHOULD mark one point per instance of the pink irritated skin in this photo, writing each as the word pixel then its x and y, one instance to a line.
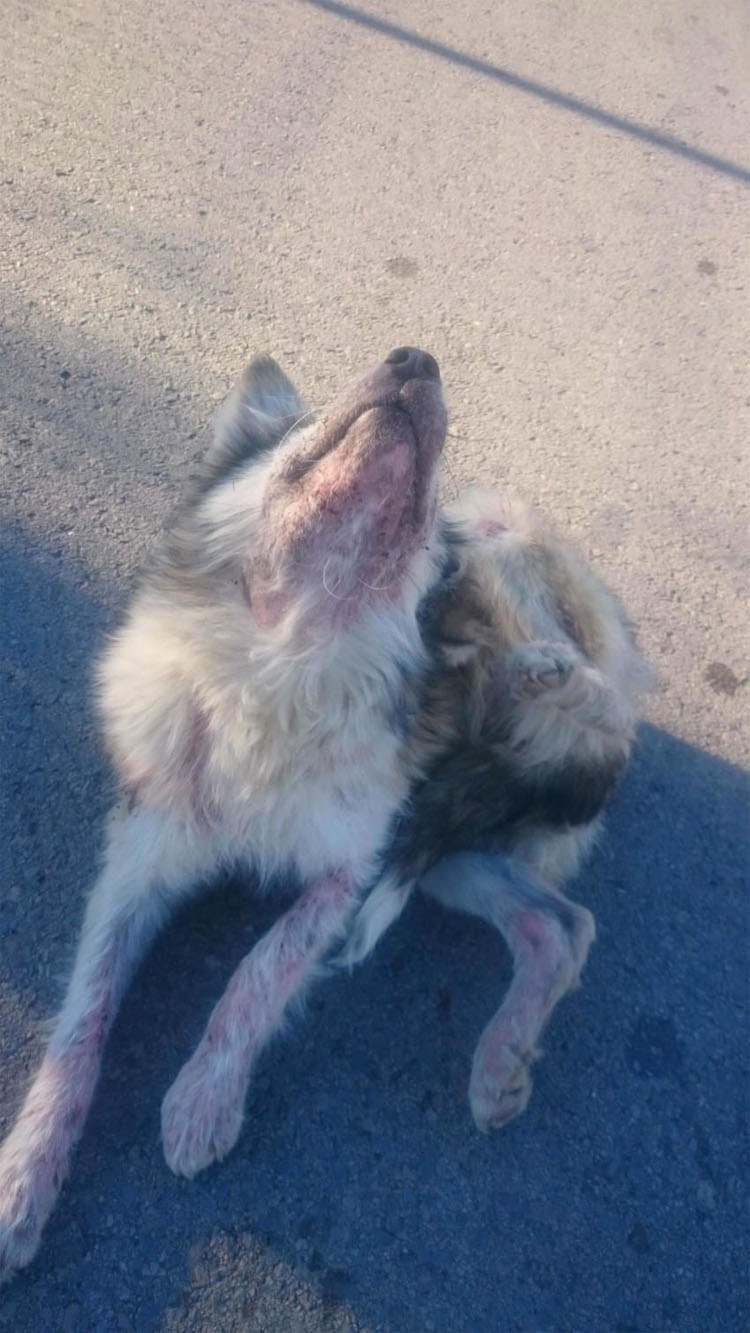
pixel 181 785
pixel 347 510
pixel 544 969
pixel 203 1110
pixel 490 527
pixel 37 1155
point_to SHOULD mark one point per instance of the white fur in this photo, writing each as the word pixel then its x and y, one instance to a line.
pixel 295 732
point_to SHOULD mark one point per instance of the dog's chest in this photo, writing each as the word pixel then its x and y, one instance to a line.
pixel 303 790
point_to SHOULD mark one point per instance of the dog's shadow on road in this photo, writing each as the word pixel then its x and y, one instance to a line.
pixel 359 1180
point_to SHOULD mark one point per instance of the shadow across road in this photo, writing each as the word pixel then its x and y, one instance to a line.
pixel 534 88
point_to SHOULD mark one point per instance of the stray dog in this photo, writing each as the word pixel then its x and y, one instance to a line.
pixel 325 677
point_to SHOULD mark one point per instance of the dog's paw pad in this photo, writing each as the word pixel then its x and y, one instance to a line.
pixel 538 667
pixel 201 1119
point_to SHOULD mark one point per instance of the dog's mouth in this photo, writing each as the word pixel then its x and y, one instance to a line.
pixel 376 416
pixel 419 404
pixel 382 458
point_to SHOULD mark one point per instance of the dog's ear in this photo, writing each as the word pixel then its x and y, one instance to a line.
pixel 259 411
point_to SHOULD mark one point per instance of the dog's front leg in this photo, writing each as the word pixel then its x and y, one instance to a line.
pixel 149 862
pixel 202 1112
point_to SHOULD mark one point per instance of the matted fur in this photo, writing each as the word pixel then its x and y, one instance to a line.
pixel 325 678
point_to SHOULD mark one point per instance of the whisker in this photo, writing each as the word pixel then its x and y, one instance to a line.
pixel 311 412
pixel 330 591
pixel 376 587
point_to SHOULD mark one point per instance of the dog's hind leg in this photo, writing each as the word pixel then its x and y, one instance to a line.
pixel 202 1111
pixel 549 938
pixel 149 862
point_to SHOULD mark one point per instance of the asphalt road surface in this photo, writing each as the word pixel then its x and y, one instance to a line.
pixel 552 198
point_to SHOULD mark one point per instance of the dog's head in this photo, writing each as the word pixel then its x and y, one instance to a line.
pixel 332 513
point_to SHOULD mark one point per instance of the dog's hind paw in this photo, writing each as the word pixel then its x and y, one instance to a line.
pixel 201 1117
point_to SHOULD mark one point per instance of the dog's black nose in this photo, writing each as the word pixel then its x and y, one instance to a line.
pixel 410 363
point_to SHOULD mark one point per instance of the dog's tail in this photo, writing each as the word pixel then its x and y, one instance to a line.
pixel 382 906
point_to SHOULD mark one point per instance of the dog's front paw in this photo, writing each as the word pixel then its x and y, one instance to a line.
pixel 540 666
pixel 26 1198
pixel 500 1083
pixel 201 1117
